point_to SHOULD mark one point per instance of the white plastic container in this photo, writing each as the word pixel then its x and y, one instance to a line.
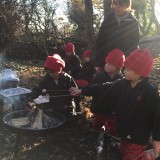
pixel 8 79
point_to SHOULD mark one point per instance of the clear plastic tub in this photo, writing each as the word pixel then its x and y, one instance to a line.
pixel 8 79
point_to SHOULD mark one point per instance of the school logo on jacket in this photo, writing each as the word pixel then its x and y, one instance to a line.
pixel 139 98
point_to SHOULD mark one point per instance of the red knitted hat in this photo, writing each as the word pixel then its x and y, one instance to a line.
pixel 55 63
pixel 87 53
pixel 116 57
pixel 69 47
pixel 140 61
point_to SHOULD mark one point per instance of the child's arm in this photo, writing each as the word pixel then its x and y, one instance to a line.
pixel 156 123
pixel 93 90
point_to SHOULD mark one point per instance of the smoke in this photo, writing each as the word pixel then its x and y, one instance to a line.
pixel 14 103
pixel 2 56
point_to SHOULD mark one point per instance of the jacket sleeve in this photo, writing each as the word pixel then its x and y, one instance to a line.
pixel 71 82
pixel 133 37
pixel 36 91
pixel 98 50
pixel 156 117
pixel 98 89
pixel 96 78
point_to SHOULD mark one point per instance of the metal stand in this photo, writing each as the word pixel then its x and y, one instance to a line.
pixel 100 144
pixel 1 112
pixel 108 144
pixel 16 148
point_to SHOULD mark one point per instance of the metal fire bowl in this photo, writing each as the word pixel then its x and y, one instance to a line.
pixel 23 130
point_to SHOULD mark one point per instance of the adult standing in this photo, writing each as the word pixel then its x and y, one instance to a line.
pixel 119 30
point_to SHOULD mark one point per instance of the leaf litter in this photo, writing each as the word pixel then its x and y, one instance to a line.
pixel 66 143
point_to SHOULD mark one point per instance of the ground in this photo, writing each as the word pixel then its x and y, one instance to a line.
pixel 66 143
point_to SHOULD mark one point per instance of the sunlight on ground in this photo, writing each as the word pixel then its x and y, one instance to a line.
pixel 26 147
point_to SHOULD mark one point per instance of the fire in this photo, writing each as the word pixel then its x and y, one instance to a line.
pixel 87 112
pixel 85 105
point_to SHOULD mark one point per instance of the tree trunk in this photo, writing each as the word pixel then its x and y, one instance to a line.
pixel 25 15
pixel 152 3
pixel 89 22
pixel 107 7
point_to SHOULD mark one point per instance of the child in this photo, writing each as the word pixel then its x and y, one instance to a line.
pixel 72 61
pixel 87 72
pixel 56 83
pixel 136 104
pixel 112 71
pixel 119 30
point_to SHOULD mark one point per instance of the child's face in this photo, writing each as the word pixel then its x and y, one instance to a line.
pixel 69 54
pixel 110 68
pixel 119 10
pixel 53 74
pixel 98 69
pixel 86 59
pixel 131 75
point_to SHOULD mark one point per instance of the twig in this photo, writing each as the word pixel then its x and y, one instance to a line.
pixel 60 96
pixel 58 90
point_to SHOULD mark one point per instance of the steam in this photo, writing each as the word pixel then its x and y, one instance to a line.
pixel 14 103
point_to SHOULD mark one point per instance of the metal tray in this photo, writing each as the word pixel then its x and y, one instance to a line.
pixel 14 91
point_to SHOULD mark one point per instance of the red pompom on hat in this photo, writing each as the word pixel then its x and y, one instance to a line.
pixel 55 63
pixel 116 57
pixel 140 61
pixel 69 47
pixel 87 53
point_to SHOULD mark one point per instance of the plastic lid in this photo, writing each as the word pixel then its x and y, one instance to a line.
pixel 11 78
pixel 10 75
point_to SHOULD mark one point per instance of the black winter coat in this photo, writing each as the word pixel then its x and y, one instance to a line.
pixel 59 104
pixel 87 72
pixel 72 65
pixel 137 110
pixel 102 77
pixel 114 36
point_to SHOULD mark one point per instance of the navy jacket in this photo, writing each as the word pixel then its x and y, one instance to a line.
pixel 102 77
pixel 137 109
pixel 59 104
pixel 73 65
pixel 87 72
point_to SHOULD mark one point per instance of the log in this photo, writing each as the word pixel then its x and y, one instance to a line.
pixel 37 124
